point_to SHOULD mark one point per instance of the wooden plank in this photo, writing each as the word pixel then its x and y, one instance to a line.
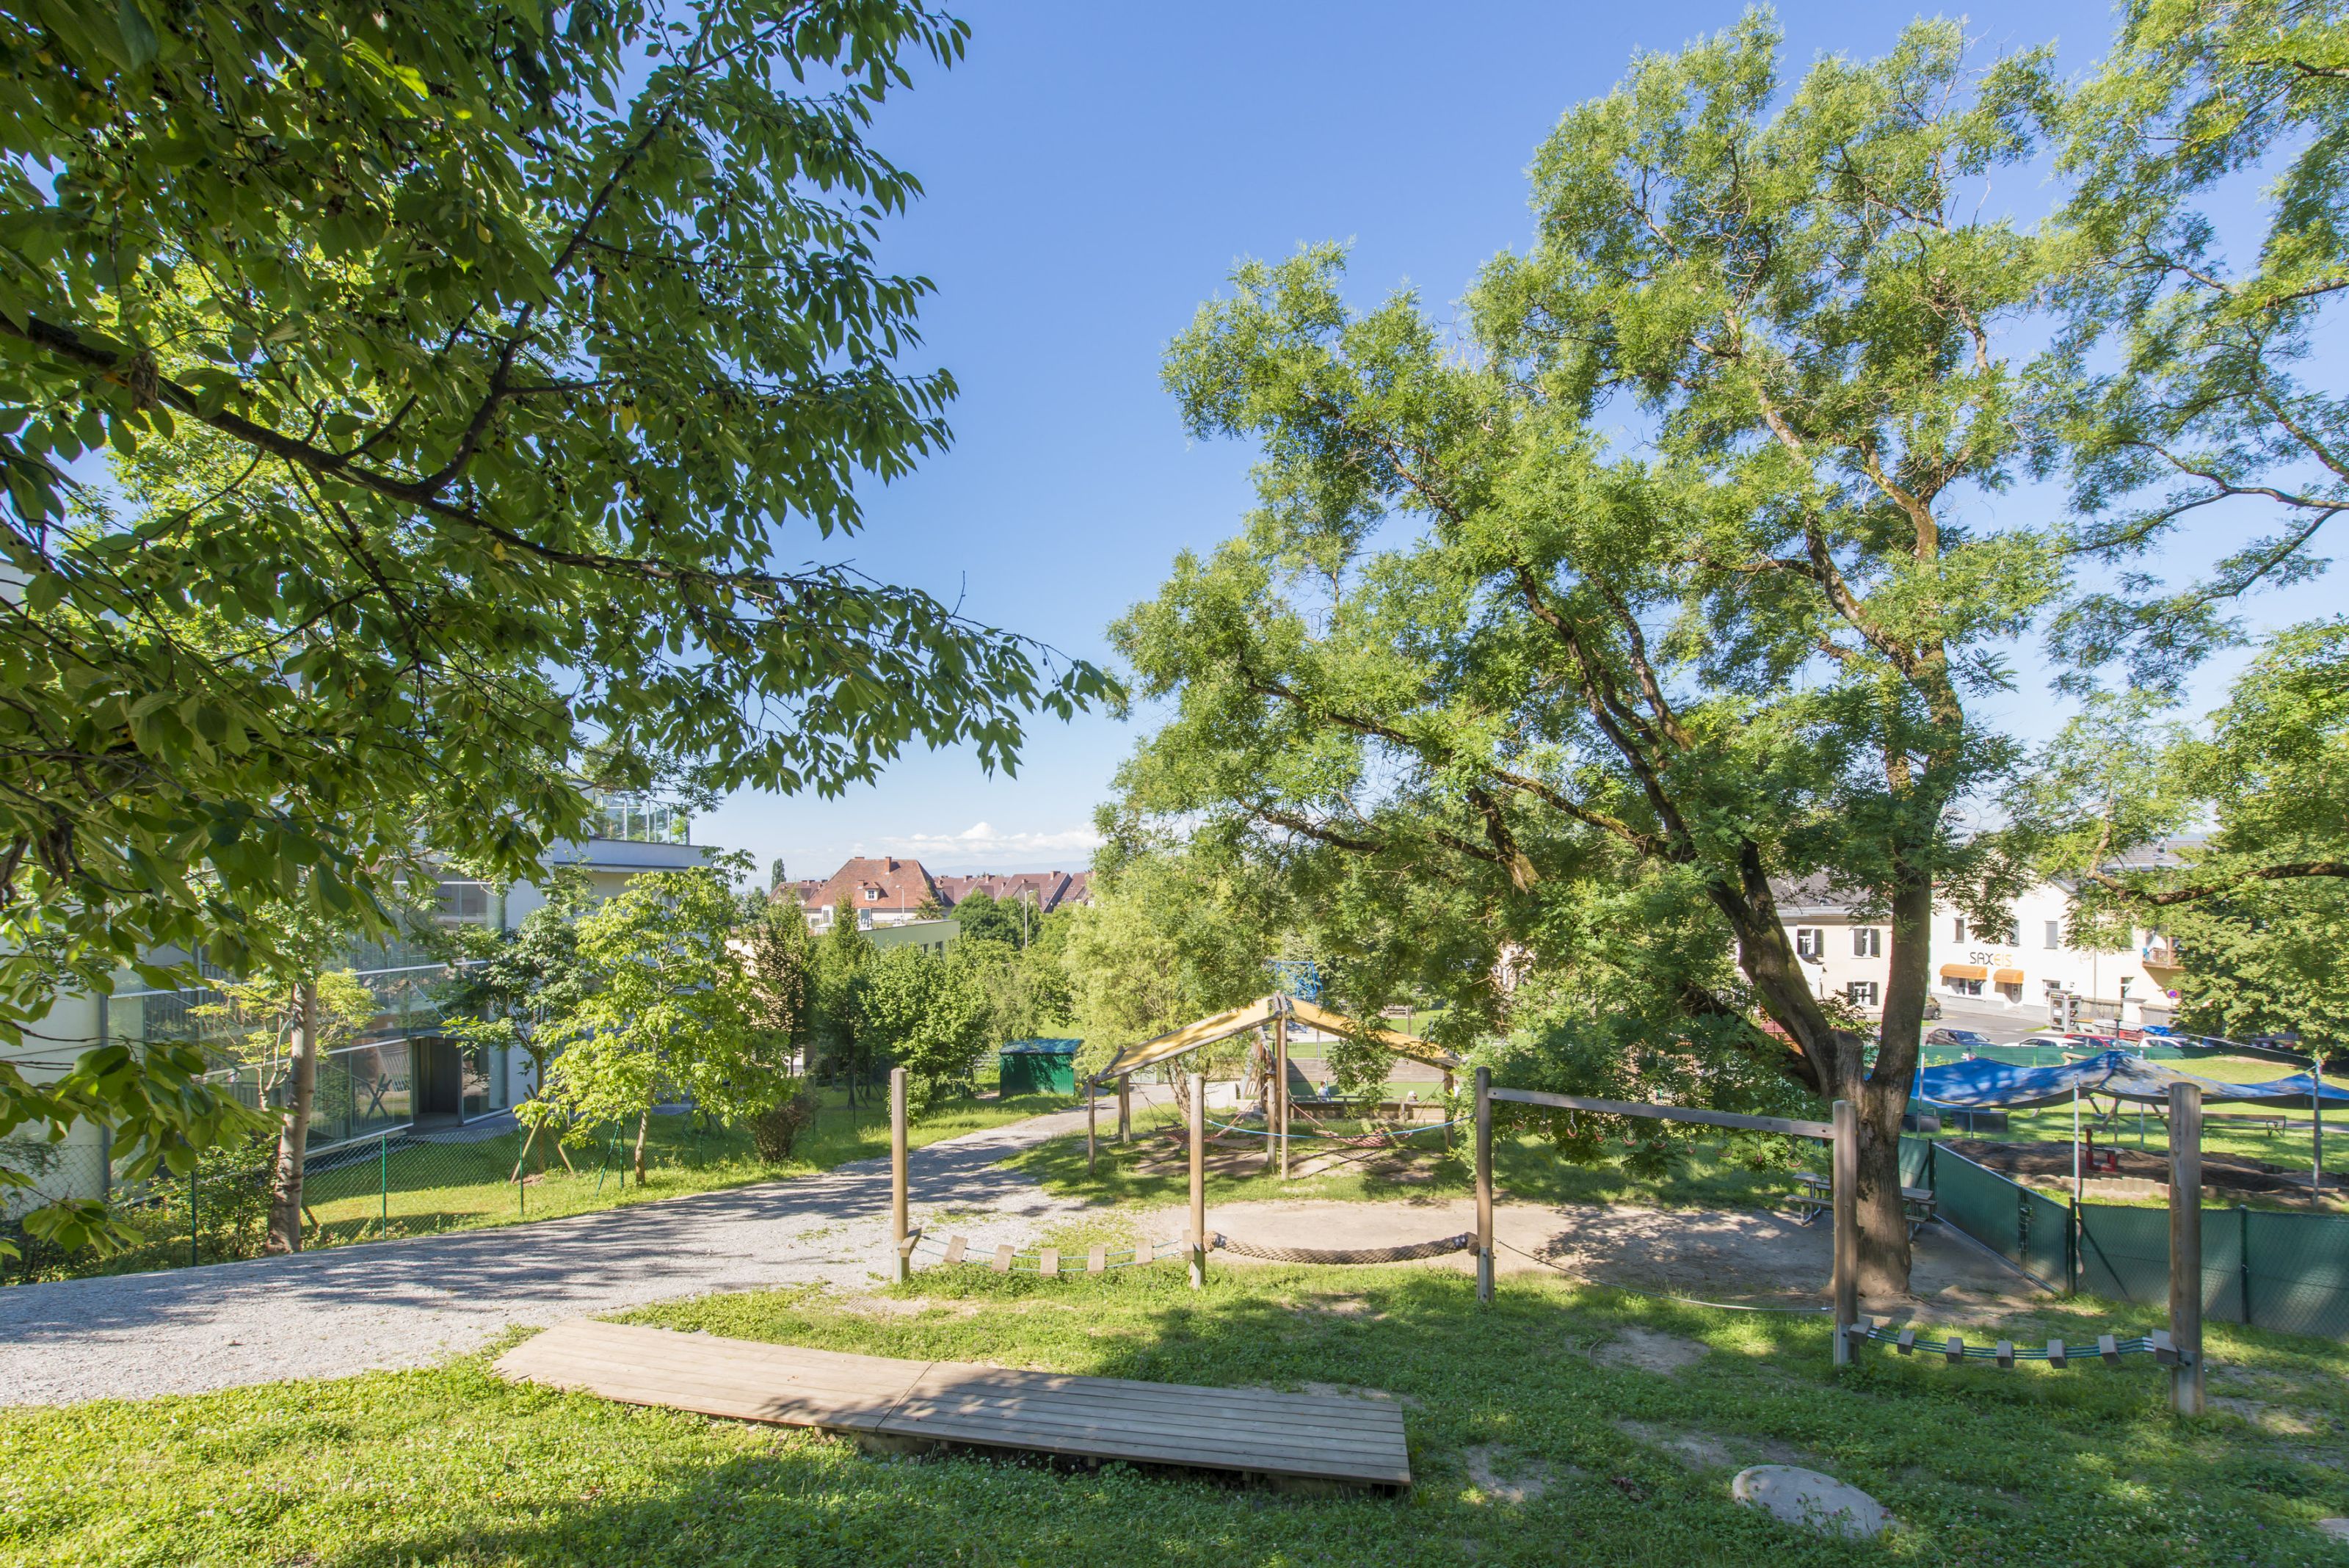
pixel 955 1246
pixel 1003 1256
pixel 1334 1437
pixel 1097 1261
pixel 1048 1263
pixel 1394 1040
pixel 1667 1113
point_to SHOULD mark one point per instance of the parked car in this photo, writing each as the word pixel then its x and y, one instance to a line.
pixel 1964 1039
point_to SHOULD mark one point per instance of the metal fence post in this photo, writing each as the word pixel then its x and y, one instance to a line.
pixel 2243 1255
pixel 194 1257
pixel 383 1183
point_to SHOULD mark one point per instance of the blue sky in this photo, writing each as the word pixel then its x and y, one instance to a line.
pixel 1093 171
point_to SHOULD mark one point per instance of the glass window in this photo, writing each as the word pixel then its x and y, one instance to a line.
pixel 1957 929
pixel 1809 941
pixel 2054 935
pixel 1862 992
pixel 1965 987
pixel 1866 942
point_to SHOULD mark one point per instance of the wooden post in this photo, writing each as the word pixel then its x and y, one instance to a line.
pixel 1280 1087
pixel 1125 1107
pixel 1846 1226
pixel 1484 1184
pixel 2316 1128
pixel 1198 1181
pixel 1450 1089
pixel 901 1267
pixel 2185 1247
pixel 1093 1099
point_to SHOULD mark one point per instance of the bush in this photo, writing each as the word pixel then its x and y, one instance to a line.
pixel 775 1131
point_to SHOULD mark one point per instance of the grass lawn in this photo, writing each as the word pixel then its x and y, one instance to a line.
pixel 1529 1446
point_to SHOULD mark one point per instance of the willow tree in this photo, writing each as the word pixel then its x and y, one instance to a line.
pixel 477 370
pixel 1738 646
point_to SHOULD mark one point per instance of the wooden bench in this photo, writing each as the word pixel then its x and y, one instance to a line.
pixel 1814 1196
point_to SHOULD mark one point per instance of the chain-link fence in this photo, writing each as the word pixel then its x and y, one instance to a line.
pixel 2269 1270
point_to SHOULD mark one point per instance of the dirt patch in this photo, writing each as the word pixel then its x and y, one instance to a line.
pixel 1650 1350
pixel 1698 1449
pixel 1358 1308
pixel 2234 1172
pixel 1505 1477
pixel 1743 1256
pixel 2272 1419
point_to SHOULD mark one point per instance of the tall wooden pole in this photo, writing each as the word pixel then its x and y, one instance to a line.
pixel 1846 1226
pixel 1484 1184
pixel 901 1268
pixel 1280 1087
pixel 1198 1181
pixel 1093 1100
pixel 1125 1107
pixel 2185 1247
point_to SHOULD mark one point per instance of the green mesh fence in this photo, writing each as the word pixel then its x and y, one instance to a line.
pixel 1916 1162
pixel 2296 1272
pixel 1980 1202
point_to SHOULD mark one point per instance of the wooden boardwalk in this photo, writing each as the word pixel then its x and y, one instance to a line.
pixel 1290 1435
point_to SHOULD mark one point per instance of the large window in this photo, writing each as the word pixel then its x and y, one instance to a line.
pixel 463 903
pixel 1862 992
pixel 1810 942
pixel 1964 987
pixel 1958 927
pixel 1866 942
pixel 2054 935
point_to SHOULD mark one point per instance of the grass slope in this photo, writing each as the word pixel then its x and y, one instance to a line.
pixel 451 1466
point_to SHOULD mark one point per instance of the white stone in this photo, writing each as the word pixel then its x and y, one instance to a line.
pixel 2334 1528
pixel 1799 1496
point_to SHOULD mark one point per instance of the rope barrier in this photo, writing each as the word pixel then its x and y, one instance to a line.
pixel 1346 1254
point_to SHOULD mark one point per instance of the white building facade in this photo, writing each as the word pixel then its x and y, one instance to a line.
pixel 2029 967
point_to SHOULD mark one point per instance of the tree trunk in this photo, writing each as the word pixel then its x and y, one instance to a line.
pixel 1835 1061
pixel 293 1134
pixel 644 1125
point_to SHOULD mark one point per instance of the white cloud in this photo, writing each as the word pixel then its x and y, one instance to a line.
pixel 983 841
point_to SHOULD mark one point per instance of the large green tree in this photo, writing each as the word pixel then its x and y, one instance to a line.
pixel 2205 257
pixel 930 1015
pixel 1742 645
pixel 670 1017
pixel 475 371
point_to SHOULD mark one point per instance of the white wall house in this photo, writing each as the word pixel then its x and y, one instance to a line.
pixel 2023 968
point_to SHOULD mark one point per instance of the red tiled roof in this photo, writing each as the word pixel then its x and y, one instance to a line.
pixel 882 882
pixel 887 882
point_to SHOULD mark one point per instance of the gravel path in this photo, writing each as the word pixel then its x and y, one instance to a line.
pixel 407 1303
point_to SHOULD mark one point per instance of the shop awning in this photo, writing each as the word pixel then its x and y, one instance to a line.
pixel 2008 977
pixel 1965 971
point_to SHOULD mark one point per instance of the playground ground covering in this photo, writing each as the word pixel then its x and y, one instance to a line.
pixel 1565 1424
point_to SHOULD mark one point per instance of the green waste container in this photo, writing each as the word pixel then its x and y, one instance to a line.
pixel 1039 1067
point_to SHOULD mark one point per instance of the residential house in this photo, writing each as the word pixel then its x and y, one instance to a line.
pixel 2030 964
pixel 886 890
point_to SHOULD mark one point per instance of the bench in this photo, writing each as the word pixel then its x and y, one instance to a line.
pixel 1814 1196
